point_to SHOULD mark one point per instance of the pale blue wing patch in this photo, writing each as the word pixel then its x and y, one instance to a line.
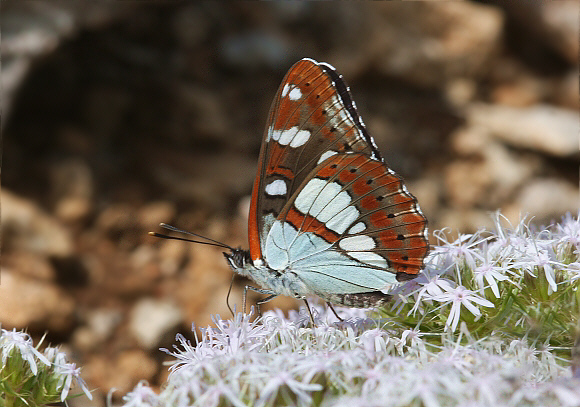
pixel 323 269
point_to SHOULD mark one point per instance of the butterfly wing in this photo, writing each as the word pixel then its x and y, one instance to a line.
pixel 312 118
pixel 351 227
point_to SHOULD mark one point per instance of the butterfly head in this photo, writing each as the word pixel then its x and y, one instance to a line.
pixel 239 259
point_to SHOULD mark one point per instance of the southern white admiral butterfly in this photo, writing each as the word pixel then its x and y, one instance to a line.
pixel 328 217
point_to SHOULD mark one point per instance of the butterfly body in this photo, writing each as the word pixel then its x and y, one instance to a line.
pixel 328 217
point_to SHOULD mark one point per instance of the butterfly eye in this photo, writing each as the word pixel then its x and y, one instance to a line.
pixel 370 181
pixel 353 170
pixel 332 129
pixel 323 111
pixel 390 215
pixel 400 237
pixel 317 96
pixel 333 166
pixel 307 84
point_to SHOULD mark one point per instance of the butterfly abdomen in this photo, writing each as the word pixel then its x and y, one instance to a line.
pixel 360 300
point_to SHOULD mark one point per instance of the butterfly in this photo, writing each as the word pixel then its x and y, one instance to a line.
pixel 328 217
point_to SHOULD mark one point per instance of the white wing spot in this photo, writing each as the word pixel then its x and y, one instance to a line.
pixel 295 94
pixel 327 203
pixel 369 258
pixel 300 138
pixel 359 227
pixel 357 243
pixel 325 155
pixel 292 136
pixel 340 222
pixel 276 187
pixel 285 89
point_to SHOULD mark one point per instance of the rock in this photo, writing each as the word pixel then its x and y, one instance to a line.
pixel 465 220
pixel 547 199
pixel 206 179
pixel 466 182
pixel 33 304
pixel 544 128
pixel 26 227
pixel 446 40
pixel 72 189
pixel 490 177
pixel 121 372
pixel 152 319
pixel 100 326
pixel 117 218
pixel 428 191
pixel 202 289
pixel 34 266
pixel 552 23
pixel 171 257
pixel 154 213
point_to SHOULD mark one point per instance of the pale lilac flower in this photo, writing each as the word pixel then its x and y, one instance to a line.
pixel 141 396
pixel 238 334
pixel 414 336
pixel 300 389
pixel 464 248
pixel 374 341
pixel 212 396
pixel 68 372
pixel 55 356
pixel 22 343
pixel 543 258
pixel 430 289
pixel 190 357
pixel 568 230
pixel 461 296
pixel 492 275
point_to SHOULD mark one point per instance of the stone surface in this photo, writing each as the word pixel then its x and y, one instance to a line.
pixel 121 373
pixel 151 320
pixel 26 303
pixel 445 40
pixel 548 199
pixel 27 227
pixel 100 326
pixel 544 128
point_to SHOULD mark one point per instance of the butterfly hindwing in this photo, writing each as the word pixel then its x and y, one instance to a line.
pixel 312 118
pixel 351 227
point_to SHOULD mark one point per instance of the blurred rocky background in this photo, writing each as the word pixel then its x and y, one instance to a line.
pixel 121 115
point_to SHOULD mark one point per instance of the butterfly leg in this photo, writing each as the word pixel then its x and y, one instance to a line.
pixel 332 308
pixel 257 290
pixel 310 313
pixel 263 301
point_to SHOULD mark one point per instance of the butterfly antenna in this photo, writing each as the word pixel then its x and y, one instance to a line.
pixel 209 242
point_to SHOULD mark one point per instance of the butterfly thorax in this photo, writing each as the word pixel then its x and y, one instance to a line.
pixel 277 282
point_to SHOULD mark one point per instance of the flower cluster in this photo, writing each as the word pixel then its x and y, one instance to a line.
pixel 479 327
pixel 29 377
pixel 353 363
pixel 515 280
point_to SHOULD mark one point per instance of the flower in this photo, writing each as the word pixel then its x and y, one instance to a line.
pixel 141 396
pixel 464 248
pixel 459 296
pixel 300 389
pixel 22 343
pixel 68 372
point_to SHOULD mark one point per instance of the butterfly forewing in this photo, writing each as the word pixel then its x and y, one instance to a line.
pixel 312 118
